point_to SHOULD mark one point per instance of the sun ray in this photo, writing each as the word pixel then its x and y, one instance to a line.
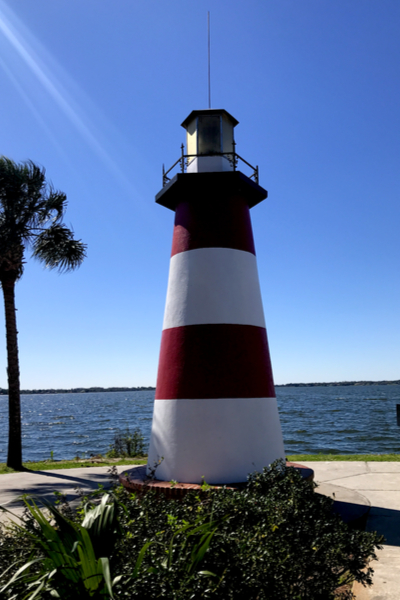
pixel 25 97
pixel 24 43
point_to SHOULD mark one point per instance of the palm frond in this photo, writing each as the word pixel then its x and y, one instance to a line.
pixel 27 201
pixel 23 197
pixel 55 205
pixel 58 249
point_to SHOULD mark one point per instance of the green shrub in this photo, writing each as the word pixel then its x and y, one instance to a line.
pixel 127 444
pixel 275 539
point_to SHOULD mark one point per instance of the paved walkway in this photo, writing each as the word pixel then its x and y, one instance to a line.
pixel 44 483
pixel 374 484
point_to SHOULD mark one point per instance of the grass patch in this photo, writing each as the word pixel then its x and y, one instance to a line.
pixel 345 457
pixel 50 465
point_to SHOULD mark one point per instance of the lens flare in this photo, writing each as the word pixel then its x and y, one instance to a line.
pixel 24 46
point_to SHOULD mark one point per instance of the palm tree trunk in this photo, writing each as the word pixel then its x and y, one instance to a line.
pixel 14 458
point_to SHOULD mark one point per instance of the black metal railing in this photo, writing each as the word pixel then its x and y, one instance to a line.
pixel 184 160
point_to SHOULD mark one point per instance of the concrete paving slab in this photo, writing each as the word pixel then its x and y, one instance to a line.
pixel 384 498
pixel 352 506
pixel 386 577
pixel 342 494
pixel 383 467
pixel 371 481
pixel 326 470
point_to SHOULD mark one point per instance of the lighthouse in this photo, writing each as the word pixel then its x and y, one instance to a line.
pixel 215 411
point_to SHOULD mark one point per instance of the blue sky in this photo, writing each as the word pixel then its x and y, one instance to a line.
pixel 95 92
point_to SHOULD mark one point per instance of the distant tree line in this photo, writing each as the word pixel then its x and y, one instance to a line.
pixel 4 392
pixel 337 383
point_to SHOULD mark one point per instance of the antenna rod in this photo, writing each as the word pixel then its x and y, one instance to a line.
pixel 209 63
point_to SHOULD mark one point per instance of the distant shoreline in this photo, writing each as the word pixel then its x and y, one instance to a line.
pixel 339 383
pixel 4 392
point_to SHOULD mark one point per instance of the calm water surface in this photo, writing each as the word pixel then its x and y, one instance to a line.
pixel 345 420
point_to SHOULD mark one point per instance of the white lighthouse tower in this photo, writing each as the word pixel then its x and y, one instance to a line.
pixel 215 411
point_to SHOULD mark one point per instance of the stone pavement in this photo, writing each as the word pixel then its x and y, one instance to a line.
pixel 354 485
pixel 376 483
pixel 44 483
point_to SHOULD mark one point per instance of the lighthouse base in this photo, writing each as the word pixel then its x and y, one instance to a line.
pixel 219 441
pixel 136 481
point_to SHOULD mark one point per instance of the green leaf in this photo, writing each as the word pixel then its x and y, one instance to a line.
pixel 105 567
pixel 140 558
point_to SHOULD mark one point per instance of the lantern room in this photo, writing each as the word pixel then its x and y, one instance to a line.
pixel 210 141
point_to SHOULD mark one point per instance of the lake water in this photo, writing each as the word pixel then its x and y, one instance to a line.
pixel 343 420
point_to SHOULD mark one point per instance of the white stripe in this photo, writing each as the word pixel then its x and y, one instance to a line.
pixel 213 285
pixel 221 439
pixel 209 164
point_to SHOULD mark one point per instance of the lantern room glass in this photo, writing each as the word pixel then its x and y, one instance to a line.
pixel 209 134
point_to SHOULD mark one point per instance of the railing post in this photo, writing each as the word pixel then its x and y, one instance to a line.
pixel 163 175
pixel 183 158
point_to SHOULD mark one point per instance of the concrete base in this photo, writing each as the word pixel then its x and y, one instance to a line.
pixel 136 480
pixel 352 506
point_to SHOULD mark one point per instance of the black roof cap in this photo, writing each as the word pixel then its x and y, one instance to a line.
pixel 208 111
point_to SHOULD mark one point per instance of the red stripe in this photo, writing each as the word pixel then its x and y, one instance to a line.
pixel 214 361
pixel 213 222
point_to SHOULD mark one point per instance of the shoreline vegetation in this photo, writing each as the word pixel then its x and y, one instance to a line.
pixel 75 463
pixel 82 390
pixel 339 383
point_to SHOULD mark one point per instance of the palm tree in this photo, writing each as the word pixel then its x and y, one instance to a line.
pixel 31 214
